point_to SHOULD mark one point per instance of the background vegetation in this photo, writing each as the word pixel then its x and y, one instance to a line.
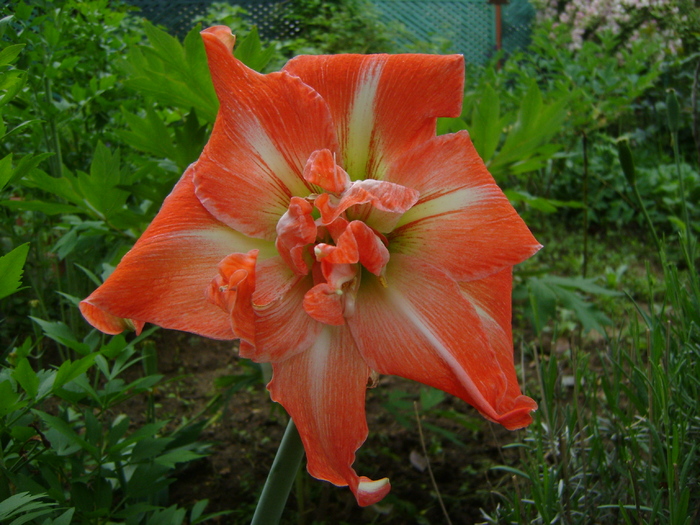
pixel 593 133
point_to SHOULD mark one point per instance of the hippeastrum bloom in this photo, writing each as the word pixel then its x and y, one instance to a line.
pixel 328 228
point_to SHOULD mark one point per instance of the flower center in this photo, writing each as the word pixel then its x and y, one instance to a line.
pixel 333 247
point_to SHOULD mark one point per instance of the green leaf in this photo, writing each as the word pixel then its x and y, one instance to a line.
pixel 11 268
pixel 486 124
pixel 59 332
pixel 548 291
pixel 64 519
pixel 249 51
pixel 24 374
pixel 430 397
pixel 149 135
pixel 198 509
pixel 19 503
pixel 174 75
pixel 99 188
pixel 10 53
pixel 63 428
pixel 19 128
pixel 172 458
pixel 6 170
pixel 49 208
pixel 27 164
pixel 11 83
pixel 46 508
pixel 4 23
pixel 9 401
pixel 69 370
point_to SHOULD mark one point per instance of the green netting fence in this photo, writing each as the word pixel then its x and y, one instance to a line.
pixel 460 26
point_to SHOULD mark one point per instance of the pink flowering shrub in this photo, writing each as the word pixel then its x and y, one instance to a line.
pixel 656 23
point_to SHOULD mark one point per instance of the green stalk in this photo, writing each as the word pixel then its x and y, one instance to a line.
pixel 681 186
pixel 280 479
pixel 627 162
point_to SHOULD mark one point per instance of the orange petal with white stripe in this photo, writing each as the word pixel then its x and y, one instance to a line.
pixel 492 302
pixel 462 222
pixel 282 327
pixel 383 105
pixel 164 278
pixel 419 324
pixel 266 129
pixel 323 390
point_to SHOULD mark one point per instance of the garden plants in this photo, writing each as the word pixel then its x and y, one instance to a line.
pixel 340 223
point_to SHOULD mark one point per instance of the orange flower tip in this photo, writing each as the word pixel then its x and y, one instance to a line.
pixel 108 323
pixel 223 34
pixel 370 492
pixel 520 416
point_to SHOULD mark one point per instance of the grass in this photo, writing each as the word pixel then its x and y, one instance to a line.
pixel 615 439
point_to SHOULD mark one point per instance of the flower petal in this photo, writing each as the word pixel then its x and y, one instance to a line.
pixel 323 389
pixel 266 129
pixel 462 222
pixel 322 171
pixel 383 196
pixel 421 326
pixel 383 105
pixel 295 230
pixel 491 298
pixel 232 291
pixel 282 327
pixel 164 278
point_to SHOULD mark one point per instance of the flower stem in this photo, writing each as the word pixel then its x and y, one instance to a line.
pixel 280 479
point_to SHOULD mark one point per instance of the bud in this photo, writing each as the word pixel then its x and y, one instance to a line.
pixel 624 153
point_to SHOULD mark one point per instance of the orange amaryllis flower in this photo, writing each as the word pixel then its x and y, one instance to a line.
pixel 329 229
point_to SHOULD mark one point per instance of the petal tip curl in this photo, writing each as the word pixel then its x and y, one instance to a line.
pixel 222 34
pixel 520 415
pixel 369 492
pixel 106 322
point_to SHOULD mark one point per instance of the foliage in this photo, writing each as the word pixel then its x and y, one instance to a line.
pixel 344 26
pixel 72 105
pixel 87 460
pixel 616 437
pixel 100 115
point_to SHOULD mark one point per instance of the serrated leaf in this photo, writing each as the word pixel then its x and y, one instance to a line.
pixel 249 51
pixel 17 503
pixel 149 135
pixel 25 375
pixel 63 428
pixel 69 370
pixel 173 74
pixel 61 187
pixel 59 332
pixel 11 269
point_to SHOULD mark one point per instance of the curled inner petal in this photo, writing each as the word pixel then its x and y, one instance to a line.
pixel 385 196
pixel 295 229
pixel 332 301
pixel 322 171
pixel 232 290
